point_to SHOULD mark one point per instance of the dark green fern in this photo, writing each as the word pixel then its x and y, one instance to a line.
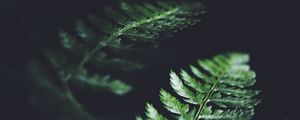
pixel 108 42
pixel 119 32
pixel 220 95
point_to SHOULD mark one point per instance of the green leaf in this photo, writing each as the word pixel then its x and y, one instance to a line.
pixel 172 103
pixel 102 44
pixel 201 75
pixel 71 43
pixel 236 114
pixel 220 94
pixel 122 28
pixel 238 92
pixel 98 82
pixel 236 102
pixel 86 34
pixel 138 118
pixel 192 82
pixel 180 89
pixel 152 113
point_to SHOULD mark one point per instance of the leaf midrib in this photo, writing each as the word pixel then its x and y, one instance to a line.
pixel 206 99
pixel 210 93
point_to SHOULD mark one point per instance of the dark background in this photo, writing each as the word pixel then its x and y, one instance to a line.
pixel 266 30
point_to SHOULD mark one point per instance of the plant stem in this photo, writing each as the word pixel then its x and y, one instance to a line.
pixel 206 99
pixel 69 95
pixel 209 95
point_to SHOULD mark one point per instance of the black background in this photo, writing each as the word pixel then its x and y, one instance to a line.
pixel 266 30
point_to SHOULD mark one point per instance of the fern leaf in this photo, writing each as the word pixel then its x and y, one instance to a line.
pixel 103 45
pixel 138 118
pixel 153 114
pixel 200 75
pixel 172 103
pixel 103 83
pixel 236 114
pixel 182 90
pixel 192 82
pixel 238 92
pixel 235 102
pixel 117 31
pixel 222 85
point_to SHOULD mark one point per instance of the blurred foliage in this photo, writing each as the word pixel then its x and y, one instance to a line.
pixel 99 49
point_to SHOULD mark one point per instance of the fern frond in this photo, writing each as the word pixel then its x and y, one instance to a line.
pixel 138 118
pixel 153 114
pixel 103 47
pixel 115 34
pixel 222 84
pixel 103 83
pixel 172 103
pixel 236 114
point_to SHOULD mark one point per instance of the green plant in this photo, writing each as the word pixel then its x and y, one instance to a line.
pixel 221 94
pixel 107 43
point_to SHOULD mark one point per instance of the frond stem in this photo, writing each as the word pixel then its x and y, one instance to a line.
pixel 206 99
pixel 69 95
pixel 209 95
